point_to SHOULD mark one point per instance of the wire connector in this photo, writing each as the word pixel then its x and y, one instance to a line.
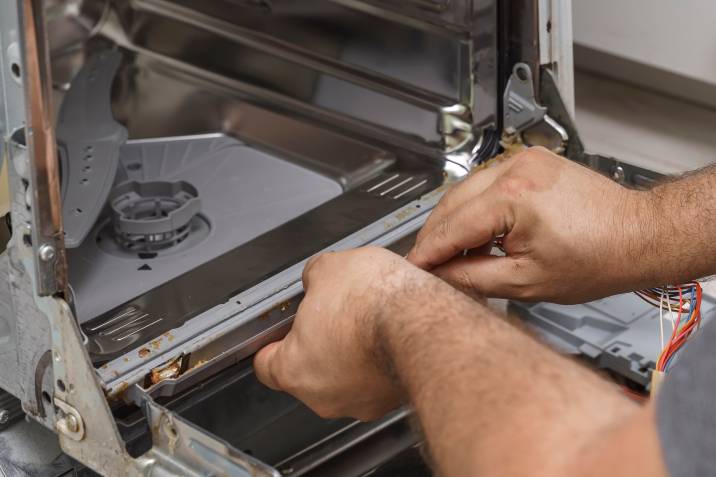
pixel 657 377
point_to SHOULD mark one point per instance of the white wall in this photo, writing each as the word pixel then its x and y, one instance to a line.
pixel 674 35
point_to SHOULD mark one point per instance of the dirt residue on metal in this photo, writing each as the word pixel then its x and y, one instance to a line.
pixel 121 388
pixel 143 353
pixel 169 336
pixel 198 364
pixel 156 344
pixel 170 371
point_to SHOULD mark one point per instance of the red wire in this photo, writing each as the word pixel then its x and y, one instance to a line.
pixel 677 341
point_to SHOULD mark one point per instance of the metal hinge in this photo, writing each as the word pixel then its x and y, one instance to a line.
pixel 522 113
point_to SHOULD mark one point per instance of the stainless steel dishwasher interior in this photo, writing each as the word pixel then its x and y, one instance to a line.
pixel 319 98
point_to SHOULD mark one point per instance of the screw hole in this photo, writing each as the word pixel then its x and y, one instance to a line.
pixel 46 397
pixel 616 349
pixel 522 73
pixel 61 385
pixel 84 181
pixel 134 166
pixel 16 71
pixel 78 211
pixel 87 169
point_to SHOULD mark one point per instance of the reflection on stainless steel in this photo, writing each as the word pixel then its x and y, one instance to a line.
pixel 121 330
pixel 337 61
pixel 370 93
pixel 72 22
pixel 51 269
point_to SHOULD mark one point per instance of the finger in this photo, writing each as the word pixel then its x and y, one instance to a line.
pixel 471 226
pixel 491 276
pixel 463 192
pixel 266 364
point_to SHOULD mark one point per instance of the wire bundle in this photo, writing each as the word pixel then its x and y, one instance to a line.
pixel 685 302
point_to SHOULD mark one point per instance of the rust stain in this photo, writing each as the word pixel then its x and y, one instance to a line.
pixel 169 336
pixel 198 364
pixel 104 366
pixel 144 352
pixel 156 344
pixel 169 371
pixel 126 360
pixel 403 214
pixel 121 388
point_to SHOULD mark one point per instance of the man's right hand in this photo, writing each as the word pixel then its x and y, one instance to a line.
pixel 569 234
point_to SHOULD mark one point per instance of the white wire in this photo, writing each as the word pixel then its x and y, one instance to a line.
pixel 671 318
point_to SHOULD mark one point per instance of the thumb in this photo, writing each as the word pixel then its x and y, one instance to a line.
pixel 265 365
pixel 490 276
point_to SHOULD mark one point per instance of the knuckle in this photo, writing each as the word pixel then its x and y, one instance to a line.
pixel 443 228
pixel 522 282
pixel 514 185
pixel 464 280
pixel 282 379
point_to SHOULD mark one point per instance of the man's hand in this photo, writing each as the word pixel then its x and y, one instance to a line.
pixel 569 234
pixel 331 359
pixel 483 391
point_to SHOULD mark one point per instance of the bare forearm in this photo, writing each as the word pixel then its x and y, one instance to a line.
pixel 485 392
pixel 682 246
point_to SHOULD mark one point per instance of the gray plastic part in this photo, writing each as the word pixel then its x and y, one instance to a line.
pixel 244 193
pixel 520 105
pixel 153 215
pixel 619 333
pixel 89 140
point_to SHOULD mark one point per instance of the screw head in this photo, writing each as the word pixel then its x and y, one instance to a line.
pixel 4 416
pixel 618 174
pixel 46 253
pixel 71 423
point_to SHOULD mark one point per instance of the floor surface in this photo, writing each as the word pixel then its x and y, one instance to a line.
pixel 643 128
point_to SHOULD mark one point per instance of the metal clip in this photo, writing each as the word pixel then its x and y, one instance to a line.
pixel 71 423
pixel 522 111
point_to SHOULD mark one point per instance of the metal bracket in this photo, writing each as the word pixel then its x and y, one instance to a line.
pixel 71 423
pixel 180 448
pixel 89 434
pixel 522 112
pixel 456 127
pixel 44 187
